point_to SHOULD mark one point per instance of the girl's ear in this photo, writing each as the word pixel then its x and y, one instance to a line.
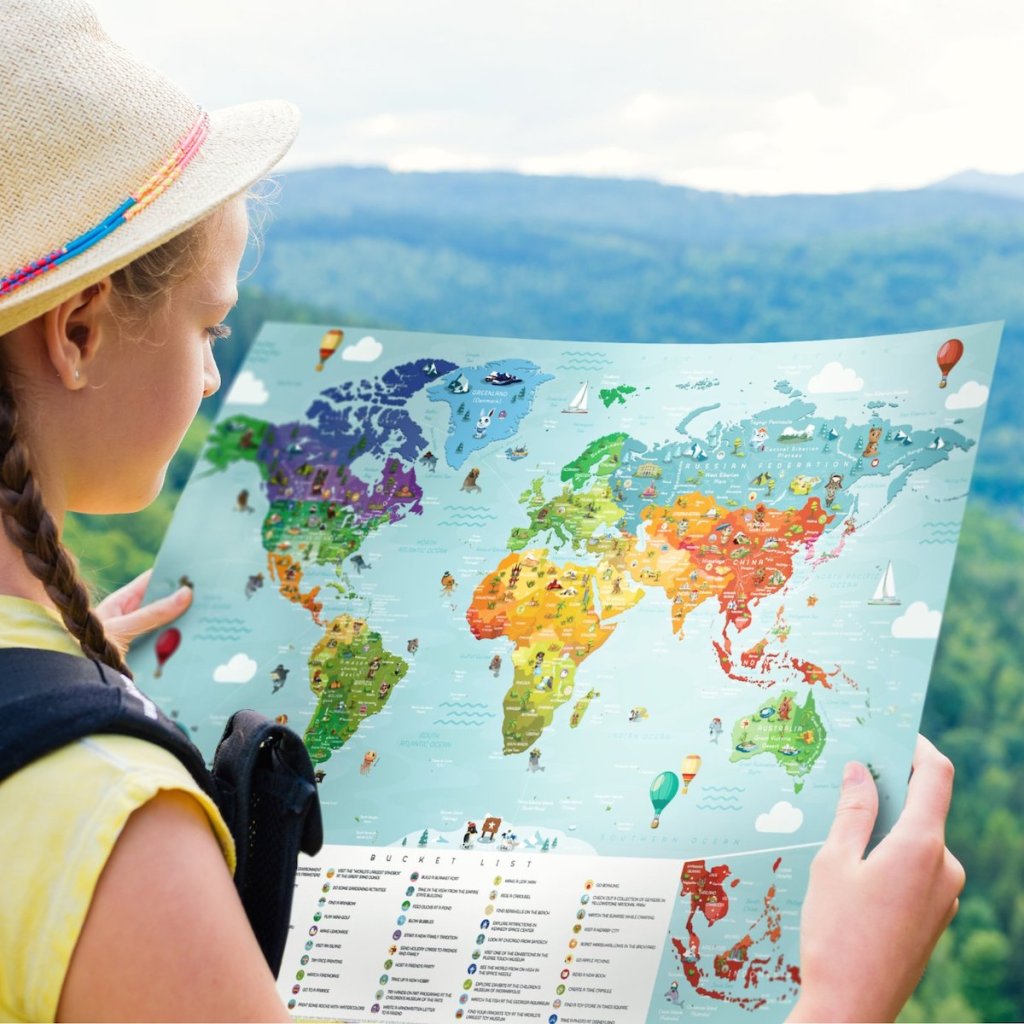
pixel 75 330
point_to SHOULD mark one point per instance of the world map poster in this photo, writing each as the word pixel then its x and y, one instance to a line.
pixel 579 638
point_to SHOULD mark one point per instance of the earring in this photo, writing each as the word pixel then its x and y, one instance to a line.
pixel 78 376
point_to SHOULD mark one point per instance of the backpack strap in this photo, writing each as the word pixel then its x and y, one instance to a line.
pixel 262 779
pixel 49 699
pixel 269 798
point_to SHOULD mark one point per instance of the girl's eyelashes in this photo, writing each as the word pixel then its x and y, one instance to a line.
pixel 218 332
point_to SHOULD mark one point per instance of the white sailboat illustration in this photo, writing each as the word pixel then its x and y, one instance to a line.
pixel 885 592
pixel 579 403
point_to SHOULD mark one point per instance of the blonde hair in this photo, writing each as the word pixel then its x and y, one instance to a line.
pixel 155 274
pixel 146 280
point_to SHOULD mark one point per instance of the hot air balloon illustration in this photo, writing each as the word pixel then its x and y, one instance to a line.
pixel 329 345
pixel 948 356
pixel 663 790
pixel 166 644
pixel 691 765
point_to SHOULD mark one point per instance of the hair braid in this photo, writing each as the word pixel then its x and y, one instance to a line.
pixel 32 529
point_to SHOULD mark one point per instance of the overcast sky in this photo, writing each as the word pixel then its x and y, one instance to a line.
pixel 751 96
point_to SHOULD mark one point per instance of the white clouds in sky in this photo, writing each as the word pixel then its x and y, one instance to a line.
pixel 736 96
pixel 970 396
pixel 783 817
pixel 917 623
pixel 365 350
pixel 240 668
pixel 835 378
pixel 247 389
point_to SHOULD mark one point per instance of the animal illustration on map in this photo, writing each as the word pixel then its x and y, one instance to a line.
pixel 448 583
pixel 470 484
pixel 874 435
pixel 413 645
pixel 715 729
pixel 637 713
pixel 483 424
pixel 369 760
pixel 835 483
pixel 242 502
pixel 495 665
pixel 467 839
pixel 360 563
pixel 534 762
pixel 318 482
pixel 785 709
pixel 278 676
pixel 430 460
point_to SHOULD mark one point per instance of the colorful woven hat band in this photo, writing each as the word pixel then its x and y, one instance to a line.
pixel 157 184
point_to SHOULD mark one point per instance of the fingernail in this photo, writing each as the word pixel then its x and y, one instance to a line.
pixel 854 774
pixel 183 595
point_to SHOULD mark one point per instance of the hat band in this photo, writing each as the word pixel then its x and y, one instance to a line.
pixel 158 183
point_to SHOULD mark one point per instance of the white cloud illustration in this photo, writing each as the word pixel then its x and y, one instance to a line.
pixel 833 378
pixel 365 350
pixel 918 623
pixel 970 396
pixel 247 389
pixel 239 669
pixel 783 817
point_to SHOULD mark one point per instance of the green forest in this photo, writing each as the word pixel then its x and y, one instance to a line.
pixel 503 255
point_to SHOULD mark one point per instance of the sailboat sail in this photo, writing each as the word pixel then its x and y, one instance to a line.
pixel 579 403
pixel 885 592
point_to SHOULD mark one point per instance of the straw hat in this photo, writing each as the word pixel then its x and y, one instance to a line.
pixel 102 158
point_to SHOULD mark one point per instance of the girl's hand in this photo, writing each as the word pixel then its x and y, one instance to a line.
pixel 869 924
pixel 125 617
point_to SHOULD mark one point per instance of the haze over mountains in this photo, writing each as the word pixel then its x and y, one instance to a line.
pixel 1010 185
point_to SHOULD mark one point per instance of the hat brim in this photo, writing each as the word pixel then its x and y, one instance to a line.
pixel 244 142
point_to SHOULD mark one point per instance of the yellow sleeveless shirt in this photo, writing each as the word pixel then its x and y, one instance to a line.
pixel 59 820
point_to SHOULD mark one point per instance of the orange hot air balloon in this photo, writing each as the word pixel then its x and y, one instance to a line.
pixel 329 345
pixel 691 765
pixel 948 356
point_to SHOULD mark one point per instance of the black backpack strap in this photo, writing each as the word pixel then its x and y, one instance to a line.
pixel 262 779
pixel 49 699
pixel 270 801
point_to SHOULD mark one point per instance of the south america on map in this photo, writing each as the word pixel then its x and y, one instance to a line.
pixel 582 603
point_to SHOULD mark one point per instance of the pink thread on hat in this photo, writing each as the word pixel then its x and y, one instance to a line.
pixel 157 184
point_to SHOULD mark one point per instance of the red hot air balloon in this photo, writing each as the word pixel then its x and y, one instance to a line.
pixel 166 644
pixel 948 356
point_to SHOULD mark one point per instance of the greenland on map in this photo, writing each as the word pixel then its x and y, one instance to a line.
pixel 596 600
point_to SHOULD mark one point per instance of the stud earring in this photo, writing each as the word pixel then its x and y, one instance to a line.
pixel 78 376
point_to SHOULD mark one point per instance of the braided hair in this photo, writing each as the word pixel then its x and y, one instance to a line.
pixel 26 521
pixel 32 530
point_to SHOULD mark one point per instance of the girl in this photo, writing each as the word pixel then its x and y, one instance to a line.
pixel 122 225
pixel 121 232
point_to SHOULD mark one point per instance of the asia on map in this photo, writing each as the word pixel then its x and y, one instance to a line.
pixel 579 637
